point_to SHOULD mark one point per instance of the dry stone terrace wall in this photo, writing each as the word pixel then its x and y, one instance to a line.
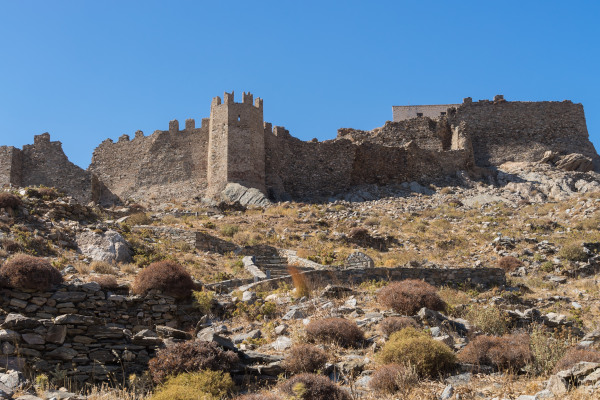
pixel 457 277
pixel 86 331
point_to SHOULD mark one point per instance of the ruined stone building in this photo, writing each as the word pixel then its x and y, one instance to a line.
pixel 422 143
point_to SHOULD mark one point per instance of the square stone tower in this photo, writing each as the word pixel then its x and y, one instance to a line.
pixel 236 144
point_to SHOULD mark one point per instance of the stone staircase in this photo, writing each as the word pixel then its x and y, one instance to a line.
pixel 274 265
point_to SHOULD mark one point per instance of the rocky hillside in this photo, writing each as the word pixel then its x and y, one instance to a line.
pixel 305 301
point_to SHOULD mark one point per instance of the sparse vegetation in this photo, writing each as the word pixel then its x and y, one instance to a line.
pixel 394 378
pixel 412 347
pixel 395 324
pixel 190 356
pixel 510 352
pixel 509 263
pixel 339 331
pixel 206 385
pixel 28 272
pixel 305 358
pixel 168 276
pixel 9 200
pixel 313 387
pixel 409 296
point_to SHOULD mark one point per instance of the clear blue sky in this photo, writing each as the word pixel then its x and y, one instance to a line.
pixel 90 70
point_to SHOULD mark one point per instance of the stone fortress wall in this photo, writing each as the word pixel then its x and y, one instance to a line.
pixel 235 145
pixel 401 113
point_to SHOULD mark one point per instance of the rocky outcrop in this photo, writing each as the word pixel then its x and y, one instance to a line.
pixel 108 246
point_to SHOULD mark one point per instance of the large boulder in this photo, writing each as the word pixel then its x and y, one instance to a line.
pixel 236 193
pixel 575 162
pixel 109 246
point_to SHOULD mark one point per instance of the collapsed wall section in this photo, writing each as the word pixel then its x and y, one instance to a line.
pixel 504 131
pixel 392 154
pixel 45 163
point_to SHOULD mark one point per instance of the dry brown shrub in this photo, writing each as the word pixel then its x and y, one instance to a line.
pixel 335 330
pixel 509 263
pixel 28 272
pixel 9 200
pixel 507 352
pixel 190 356
pixel 106 282
pixel 395 324
pixel 11 246
pixel 45 193
pixel 313 387
pixel 409 296
pixel 299 281
pixel 304 358
pixel 258 396
pixel 167 276
pixel 103 267
pixel 575 355
pixel 392 378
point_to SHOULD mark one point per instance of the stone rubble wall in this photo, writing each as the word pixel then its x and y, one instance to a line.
pixel 456 277
pixel 504 131
pixel 196 239
pixel 89 332
pixel 11 166
pixel 162 166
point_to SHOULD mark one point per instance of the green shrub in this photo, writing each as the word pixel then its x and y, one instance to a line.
pixel 490 320
pixel 304 358
pixel 205 385
pixel 335 330
pixel 409 296
pixel 547 349
pixel 139 218
pixel 412 347
pixel 168 276
pixel 229 230
pixel 203 300
pixel 573 252
pixel 28 272
pixel 313 387
pixel 507 352
pixel 42 192
pixel 190 356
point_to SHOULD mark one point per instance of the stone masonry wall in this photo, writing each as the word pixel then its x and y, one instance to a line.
pixel 401 113
pixel 11 165
pixel 234 145
pixel 504 131
pixel 86 331
pixel 387 155
pixel 456 277
pixel 164 165
pixel 45 163
pixel 236 151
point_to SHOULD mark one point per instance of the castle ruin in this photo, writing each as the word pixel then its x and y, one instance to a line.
pixel 235 145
